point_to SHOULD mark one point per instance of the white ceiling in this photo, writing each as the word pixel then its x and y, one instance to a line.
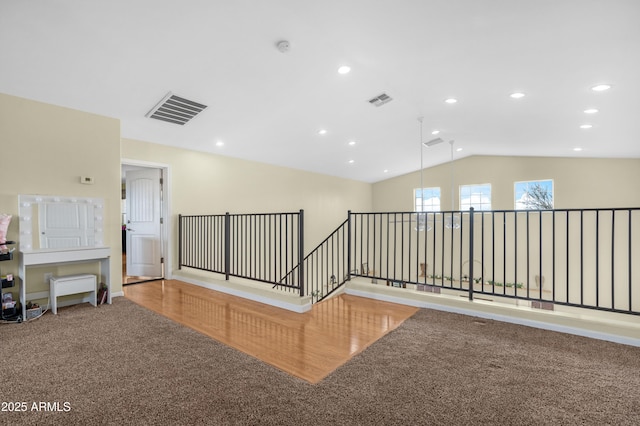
pixel 118 58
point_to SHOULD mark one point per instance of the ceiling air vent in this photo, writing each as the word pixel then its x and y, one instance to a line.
pixel 380 100
pixel 175 109
pixel 433 142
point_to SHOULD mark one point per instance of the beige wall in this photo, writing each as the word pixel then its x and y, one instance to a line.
pixel 44 149
pixel 578 182
pixel 203 183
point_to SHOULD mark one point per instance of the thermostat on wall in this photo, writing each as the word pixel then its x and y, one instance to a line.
pixel 88 180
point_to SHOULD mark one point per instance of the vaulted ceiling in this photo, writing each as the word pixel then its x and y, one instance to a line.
pixel 119 58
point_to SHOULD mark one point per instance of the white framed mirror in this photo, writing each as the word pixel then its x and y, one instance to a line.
pixel 49 222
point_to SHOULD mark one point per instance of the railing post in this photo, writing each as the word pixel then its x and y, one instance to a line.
pixel 179 241
pixel 301 252
pixel 349 245
pixel 471 211
pixel 227 245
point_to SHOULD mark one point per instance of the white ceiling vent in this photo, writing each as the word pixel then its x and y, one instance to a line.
pixel 380 100
pixel 433 142
pixel 175 109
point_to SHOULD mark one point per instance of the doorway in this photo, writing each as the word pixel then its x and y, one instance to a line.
pixel 144 208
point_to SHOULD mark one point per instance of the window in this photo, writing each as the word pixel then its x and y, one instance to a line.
pixel 476 196
pixel 426 200
pixel 534 195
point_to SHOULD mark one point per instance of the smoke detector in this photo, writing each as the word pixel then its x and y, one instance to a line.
pixel 283 46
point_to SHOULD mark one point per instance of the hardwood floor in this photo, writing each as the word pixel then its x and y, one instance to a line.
pixel 308 346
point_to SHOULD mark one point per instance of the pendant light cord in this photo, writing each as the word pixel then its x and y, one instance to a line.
pixel 420 119
pixel 452 176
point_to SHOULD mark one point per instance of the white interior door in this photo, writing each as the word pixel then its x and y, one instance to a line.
pixel 144 227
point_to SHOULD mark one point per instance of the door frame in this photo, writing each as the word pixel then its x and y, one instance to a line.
pixel 167 228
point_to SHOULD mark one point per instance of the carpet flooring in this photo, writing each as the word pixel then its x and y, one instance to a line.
pixel 121 364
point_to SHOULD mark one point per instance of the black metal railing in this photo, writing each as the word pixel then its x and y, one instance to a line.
pixel 575 257
pixel 202 242
pixel 261 247
pixel 325 267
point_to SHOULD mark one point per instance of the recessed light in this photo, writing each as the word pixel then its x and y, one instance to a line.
pixel 586 126
pixel 219 143
pixel 351 161
pixel 458 149
pixel 435 132
pixel 517 95
pixel 385 171
pixel 590 111
pixel 322 132
pixel 344 69
pixel 352 143
pixel 577 149
pixel 601 87
pixel 451 100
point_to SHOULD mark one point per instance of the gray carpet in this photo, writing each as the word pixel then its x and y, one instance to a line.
pixel 122 364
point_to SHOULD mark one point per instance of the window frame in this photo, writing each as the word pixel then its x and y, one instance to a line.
pixel 482 206
pixel 415 199
pixel 515 194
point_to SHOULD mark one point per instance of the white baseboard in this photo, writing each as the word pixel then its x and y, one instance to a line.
pixel 245 291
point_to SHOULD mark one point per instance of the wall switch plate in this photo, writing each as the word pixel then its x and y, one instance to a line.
pixel 87 180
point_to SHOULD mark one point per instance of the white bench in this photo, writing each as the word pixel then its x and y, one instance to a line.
pixel 72 284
